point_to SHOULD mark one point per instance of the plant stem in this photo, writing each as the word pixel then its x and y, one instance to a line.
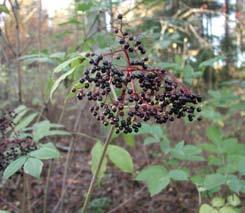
pixel 94 178
pixel 23 197
pixel 28 193
pixel 46 189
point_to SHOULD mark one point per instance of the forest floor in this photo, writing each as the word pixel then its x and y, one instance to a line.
pixel 117 193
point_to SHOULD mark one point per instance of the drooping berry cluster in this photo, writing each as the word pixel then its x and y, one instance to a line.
pixel 6 123
pixel 12 148
pixel 126 91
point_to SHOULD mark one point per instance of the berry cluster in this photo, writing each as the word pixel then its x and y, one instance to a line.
pixel 11 149
pixel 125 95
pixel 6 123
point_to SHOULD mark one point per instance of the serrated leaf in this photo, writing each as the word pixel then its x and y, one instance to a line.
pixel 58 132
pixel 241 166
pixel 51 133
pixel 155 177
pixel 45 152
pixel 210 113
pixel 39 58
pixel 65 64
pixel 55 125
pixel 230 146
pixel 233 200
pixel 197 180
pixel 165 145
pixel 214 160
pixel 59 80
pixel 20 109
pixel 218 202
pixel 212 148
pixel 154 130
pixel 19 116
pixel 48 86
pixel 214 134
pixel 96 155
pixel 178 174
pixel 120 158
pixel 150 140
pixel 41 129
pixel 170 65
pixel 186 152
pixel 205 208
pixel 188 74
pixel 58 55
pixel 234 183
pixel 25 121
pixel 228 209
pixel 33 167
pixel 242 182
pixel 214 180
pixel 13 167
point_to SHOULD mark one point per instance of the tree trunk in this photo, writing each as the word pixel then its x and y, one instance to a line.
pixel 15 9
pixel 227 40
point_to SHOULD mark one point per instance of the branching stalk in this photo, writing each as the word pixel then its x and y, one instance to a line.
pixel 95 176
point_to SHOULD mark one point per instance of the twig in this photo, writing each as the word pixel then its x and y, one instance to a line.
pixel 199 38
pixel 60 202
pixel 85 135
pixel 127 201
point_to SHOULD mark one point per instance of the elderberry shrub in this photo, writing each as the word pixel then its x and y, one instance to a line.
pixel 124 96
pixel 12 148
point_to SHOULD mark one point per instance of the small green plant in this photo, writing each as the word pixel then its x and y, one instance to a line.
pixel 226 158
pixel 225 162
pixel 99 205
pixel 22 144
pixel 221 205
pixel 158 176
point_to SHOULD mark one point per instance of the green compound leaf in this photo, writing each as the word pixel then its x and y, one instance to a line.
pixel 229 209
pixel 59 80
pixel 205 208
pixel 45 152
pixel 218 202
pixel 155 177
pixel 33 167
pixel 214 180
pixel 120 158
pixel 26 121
pixel 178 174
pixel 233 200
pixel 13 167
